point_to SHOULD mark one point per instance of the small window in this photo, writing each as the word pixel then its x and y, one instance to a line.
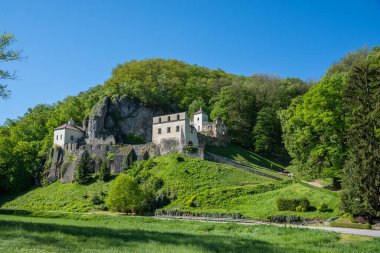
pixel 71 138
pixel 159 131
pixel 159 120
pixel 199 128
pixel 168 118
pixel 168 130
pixel 61 136
pixel 198 118
pixel 57 137
pixel 177 128
pixel 178 117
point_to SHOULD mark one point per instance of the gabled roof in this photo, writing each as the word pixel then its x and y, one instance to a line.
pixel 68 126
pixel 199 111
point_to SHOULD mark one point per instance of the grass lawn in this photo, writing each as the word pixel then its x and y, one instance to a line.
pixel 192 185
pixel 96 233
pixel 240 154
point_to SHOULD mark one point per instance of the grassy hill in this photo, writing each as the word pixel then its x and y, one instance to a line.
pixel 240 154
pixel 192 185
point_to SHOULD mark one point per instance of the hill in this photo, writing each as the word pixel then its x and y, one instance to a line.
pixel 189 184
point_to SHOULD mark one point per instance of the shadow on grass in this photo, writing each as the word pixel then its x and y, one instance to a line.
pixel 233 151
pixel 72 238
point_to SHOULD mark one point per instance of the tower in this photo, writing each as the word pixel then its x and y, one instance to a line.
pixel 200 120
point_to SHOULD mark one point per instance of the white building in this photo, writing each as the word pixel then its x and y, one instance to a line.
pixel 68 133
pixel 174 131
pixel 200 121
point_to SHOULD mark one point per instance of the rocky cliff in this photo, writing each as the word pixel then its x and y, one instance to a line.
pixel 120 120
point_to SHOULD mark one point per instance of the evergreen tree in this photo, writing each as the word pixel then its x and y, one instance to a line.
pixel 361 181
pixel 83 169
pixel 104 170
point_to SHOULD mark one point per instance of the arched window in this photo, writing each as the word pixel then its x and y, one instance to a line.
pixel 71 138
pixel 61 136
pixel 190 143
pixel 57 137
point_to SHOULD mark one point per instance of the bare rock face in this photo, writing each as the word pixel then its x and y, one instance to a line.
pixel 118 119
pixel 56 160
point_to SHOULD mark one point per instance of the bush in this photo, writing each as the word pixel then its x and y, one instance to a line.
pixel 299 209
pixel 292 204
pixel 323 208
pixel 125 195
pixel 285 219
pixel 350 225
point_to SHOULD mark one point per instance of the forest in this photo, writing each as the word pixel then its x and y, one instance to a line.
pixel 327 128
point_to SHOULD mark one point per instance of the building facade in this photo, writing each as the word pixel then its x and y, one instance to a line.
pixel 67 134
pixel 173 131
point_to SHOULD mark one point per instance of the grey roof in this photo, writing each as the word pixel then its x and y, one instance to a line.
pixel 199 111
pixel 67 126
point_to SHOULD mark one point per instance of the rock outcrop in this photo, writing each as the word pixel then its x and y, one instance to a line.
pixel 119 119
pixel 63 163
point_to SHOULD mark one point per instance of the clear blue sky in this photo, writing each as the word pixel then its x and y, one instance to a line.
pixel 73 45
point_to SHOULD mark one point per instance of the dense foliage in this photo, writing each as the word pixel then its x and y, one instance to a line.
pixel 125 195
pixel 361 179
pixel 6 55
pixel 160 83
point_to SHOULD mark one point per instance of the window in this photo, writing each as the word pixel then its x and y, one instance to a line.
pixel 57 137
pixel 178 117
pixel 159 120
pixel 177 128
pixel 198 118
pixel 168 130
pixel 159 131
pixel 61 136
pixel 191 130
pixel 168 118
pixel 199 128
pixel 71 138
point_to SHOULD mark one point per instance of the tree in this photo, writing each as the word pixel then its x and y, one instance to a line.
pixel 104 170
pixel 313 128
pixel 267 131
pixel 6 55
pixel 83 169
pixel 361 181
pixel 236 106
pixel 125 195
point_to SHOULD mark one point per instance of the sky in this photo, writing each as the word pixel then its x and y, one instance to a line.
pixel 72 45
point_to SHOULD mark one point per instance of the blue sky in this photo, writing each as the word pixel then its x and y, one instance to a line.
pixel 73 45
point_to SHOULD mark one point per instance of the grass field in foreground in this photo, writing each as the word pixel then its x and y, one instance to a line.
pixel 96 233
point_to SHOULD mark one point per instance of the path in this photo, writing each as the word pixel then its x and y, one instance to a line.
pixel 350 231
pixel 243 166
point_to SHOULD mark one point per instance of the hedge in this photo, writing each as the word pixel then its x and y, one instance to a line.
pixel 292 204
pixel 350 225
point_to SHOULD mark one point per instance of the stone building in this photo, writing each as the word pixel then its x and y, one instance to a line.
pixel 173 132
pixel 68 133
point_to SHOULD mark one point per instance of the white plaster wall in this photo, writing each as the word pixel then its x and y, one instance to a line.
pixel 64 136
pixel 199 120
pixel 156 138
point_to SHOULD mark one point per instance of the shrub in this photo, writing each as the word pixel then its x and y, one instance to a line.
pixel 323 208
pixel 350 225
pixel 292 204
pixel 125 195
pixel 96 200
pixel 299 209
pixel 285 219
